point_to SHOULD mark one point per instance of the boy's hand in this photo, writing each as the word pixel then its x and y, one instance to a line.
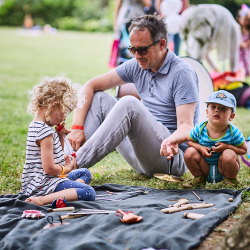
pixel 206 151
pixel 220 147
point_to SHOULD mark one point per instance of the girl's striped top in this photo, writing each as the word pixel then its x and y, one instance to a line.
pixel 34 179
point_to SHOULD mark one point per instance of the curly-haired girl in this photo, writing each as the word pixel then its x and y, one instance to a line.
pixel 45 168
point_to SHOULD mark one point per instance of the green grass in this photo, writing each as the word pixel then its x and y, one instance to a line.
pixel 81 56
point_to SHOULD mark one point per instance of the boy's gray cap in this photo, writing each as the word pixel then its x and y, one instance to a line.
pixel 224 98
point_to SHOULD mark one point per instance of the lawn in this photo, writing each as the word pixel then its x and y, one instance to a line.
pixel 24 60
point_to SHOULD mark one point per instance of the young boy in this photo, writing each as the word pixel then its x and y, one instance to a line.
pixel 214 145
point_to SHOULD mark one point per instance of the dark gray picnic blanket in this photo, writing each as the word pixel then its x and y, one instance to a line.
pixel 106 231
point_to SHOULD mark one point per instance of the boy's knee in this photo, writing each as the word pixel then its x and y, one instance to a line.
pixel 190 153
pixel 228 156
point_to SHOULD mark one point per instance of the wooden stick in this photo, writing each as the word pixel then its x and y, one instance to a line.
pixel 60 209
pixel 193 204
pixel 193 216
pixel 178 204
pixel 177 209
pixel 64 217
pixel 203 206
pixel 197 196
pixel 173 209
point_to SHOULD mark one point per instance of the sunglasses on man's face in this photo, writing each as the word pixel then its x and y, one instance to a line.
pixel 141 50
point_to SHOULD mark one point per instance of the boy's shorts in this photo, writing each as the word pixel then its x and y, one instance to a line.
pixel 214 175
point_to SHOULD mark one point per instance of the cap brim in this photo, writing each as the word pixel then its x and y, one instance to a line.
pixel 227 104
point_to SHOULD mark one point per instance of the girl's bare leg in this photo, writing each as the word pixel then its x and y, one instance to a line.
pixel 80 180
pixel 69 194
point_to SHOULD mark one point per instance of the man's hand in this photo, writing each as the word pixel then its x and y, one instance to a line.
pixel 220 147
pixel 76 138
pixel 169 148
pixel 205 151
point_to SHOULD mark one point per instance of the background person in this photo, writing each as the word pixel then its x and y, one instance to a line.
pixel 125 12
pixel 205 27
pixel 179 6
pixel 146 131
pixel 244 56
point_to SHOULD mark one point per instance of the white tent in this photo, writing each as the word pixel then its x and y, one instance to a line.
pixel 206 87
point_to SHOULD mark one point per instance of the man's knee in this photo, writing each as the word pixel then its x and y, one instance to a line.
pixel 102 103
pixel 102 96
pixel 129 102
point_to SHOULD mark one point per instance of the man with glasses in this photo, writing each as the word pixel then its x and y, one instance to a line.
pixel 147 133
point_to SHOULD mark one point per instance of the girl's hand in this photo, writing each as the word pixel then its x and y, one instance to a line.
pixel 63 129
pixel 70 164
pixel 67 159
pixel 206 151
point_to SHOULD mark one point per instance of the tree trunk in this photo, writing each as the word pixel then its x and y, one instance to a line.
pixel 239 237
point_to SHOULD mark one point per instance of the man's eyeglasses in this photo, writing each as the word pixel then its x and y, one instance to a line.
pixel 141 50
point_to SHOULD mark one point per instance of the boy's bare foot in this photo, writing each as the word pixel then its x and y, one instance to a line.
pixel 35 200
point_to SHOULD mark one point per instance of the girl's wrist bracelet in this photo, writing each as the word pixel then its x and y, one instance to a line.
pixel 63 170
pixel 77 127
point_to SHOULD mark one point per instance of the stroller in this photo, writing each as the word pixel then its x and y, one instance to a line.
pixel 120 52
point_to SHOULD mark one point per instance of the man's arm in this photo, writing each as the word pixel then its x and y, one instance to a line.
pixel 185 116
pixel 107 81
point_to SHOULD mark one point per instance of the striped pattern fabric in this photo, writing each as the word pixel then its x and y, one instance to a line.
pixel 199 134
pixel 34 179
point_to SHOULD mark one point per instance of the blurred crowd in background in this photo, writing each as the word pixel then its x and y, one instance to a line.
pixel 221 25
pixel 84 15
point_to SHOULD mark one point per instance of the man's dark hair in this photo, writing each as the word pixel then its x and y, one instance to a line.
pixel 155 25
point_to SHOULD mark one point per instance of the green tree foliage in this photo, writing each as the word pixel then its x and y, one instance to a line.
pixel 232 5
pixel 12 12
pixel 65 14
pixel 89 15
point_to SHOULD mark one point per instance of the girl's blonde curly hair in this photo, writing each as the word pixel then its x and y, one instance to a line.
pixel 55 90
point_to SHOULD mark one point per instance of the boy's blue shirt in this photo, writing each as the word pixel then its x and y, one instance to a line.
pixel 199 134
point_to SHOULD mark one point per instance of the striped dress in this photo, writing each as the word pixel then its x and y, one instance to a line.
pixel 199 134
pixel 34 179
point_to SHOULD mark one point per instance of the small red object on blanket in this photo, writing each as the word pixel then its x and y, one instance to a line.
pixel 32 214
pixel 60 202
pixel 129 217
